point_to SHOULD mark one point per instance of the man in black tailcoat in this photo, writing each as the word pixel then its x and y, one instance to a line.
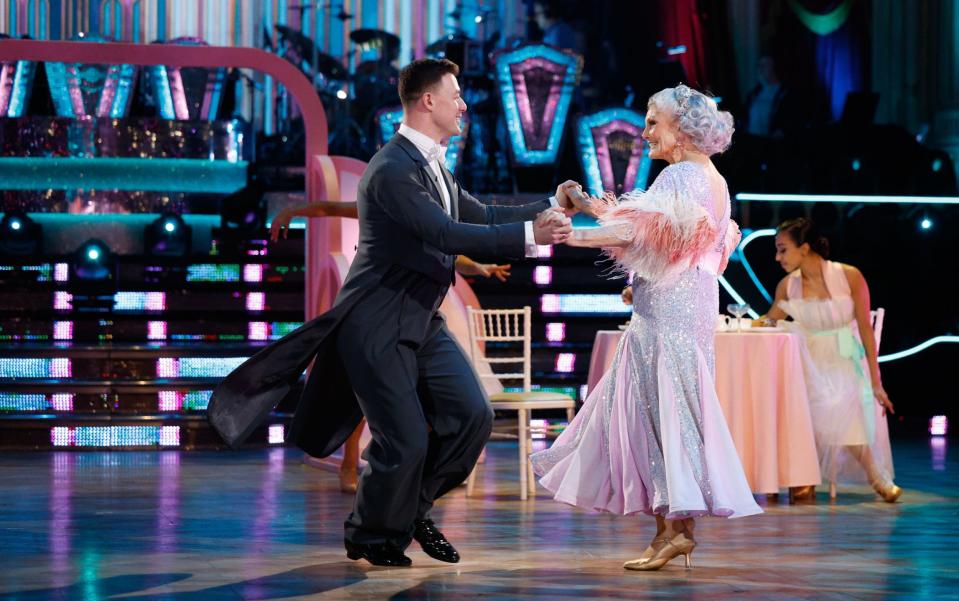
pixel 383 351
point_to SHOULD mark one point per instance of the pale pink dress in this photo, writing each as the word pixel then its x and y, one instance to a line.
pixel 843 408
pixel 652 437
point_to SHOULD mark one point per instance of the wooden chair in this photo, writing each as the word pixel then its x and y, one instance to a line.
pixel 512 327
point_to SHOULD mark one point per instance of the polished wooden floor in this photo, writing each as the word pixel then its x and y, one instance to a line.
pixel 206 526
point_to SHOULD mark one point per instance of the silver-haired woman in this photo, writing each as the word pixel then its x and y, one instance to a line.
pixel 651 438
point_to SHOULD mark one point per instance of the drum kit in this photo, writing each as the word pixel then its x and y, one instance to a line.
pixel 350 97
pixel 353 96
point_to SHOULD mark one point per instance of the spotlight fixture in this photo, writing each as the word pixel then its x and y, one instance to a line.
pixel 20 235
pixel 93 262
pixel 168 236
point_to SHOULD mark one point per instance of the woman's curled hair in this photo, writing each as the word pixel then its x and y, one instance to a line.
pixel 804 231
pixel 697 116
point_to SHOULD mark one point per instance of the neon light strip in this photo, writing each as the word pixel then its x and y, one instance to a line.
pixel 749 269
pixel 918 348
pixel 842 198
pixel 156 175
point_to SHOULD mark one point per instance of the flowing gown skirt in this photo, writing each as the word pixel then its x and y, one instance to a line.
pixel 652 438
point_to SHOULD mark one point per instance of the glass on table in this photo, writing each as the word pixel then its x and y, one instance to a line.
pixel 738 309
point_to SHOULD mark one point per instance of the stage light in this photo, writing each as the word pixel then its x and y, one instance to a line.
pixel 478 19
pixel 115 436
pixel 168 236
pixel 253 272
pixel 63 330
pixel 936 165
pixel 565 363
pixel 549 303
pixel 939 425
pixel 556 332
pixel 93 262
pixel 275 434
pixel 341 94
pixel 61 272
pixel 20 235
pixel 170 400
pixel 583 304
pixel 543 275
pixel 156 330
pixel 258 330
pixel 62 301
pixel 256 301
pixel 62 402
pixel 926 223
pixel 856 164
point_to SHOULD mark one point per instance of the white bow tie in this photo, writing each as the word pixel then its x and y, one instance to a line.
pixel 435 152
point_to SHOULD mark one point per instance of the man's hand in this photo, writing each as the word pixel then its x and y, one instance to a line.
pixel 552 227
pixel 563 196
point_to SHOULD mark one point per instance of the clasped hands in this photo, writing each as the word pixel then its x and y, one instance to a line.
pixel 553 226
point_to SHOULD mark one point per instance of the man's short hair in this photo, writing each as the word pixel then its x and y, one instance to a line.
pixel 419 76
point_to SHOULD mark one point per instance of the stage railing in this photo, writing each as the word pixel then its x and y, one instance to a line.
pixel 321 180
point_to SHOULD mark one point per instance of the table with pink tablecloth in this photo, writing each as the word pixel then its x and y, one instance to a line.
pixel 759 381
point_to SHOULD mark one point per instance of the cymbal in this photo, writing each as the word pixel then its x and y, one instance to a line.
pixel 294 37
pixel 375 37
pixel 303 45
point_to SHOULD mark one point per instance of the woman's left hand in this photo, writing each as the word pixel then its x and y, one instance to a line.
pixel 501 272
pixel 883 399
pixel 469 267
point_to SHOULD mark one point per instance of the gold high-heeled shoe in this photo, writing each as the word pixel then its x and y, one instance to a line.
pixel 646 556
pixel 802 493
pixel 678 545
pixel 887 490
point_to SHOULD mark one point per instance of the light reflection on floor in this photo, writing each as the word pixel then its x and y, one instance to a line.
pixel 260 525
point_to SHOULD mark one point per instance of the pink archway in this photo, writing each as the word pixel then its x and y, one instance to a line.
pixel 322 182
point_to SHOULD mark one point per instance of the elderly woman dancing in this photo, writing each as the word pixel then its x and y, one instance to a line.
pixel 651 438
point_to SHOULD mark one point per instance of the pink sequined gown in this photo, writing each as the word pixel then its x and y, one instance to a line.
pixel 652 437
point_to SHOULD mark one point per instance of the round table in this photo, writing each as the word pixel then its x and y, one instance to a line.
pixel 760 385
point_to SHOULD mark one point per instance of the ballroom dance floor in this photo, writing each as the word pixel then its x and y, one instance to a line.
pixel 261 524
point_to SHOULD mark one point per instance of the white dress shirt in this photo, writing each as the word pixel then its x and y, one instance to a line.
pixel 433 153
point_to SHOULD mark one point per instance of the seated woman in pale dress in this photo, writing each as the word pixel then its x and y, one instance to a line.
pixel 651 438
pixel 829 304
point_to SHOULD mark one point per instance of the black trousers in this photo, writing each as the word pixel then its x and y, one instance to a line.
pixel 427 413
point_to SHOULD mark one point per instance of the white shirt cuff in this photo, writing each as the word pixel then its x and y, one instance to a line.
pixel 531 251
pixel 553 202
